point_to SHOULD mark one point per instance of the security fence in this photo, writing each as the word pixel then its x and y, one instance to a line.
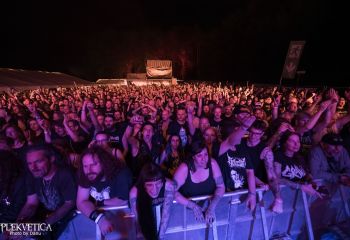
pixel 303 217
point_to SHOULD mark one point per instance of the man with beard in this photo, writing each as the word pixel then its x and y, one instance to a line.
pixel 105 182
pixel 51 186
pixel 330 161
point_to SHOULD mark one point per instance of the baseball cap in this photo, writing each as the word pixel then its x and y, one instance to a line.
pixel 332 139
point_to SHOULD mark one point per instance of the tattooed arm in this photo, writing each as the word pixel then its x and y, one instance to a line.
pixel 284 181
pixel 180 178
pixel 168 200
pixel 272 177
pixel 219 192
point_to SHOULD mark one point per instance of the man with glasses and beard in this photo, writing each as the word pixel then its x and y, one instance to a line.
pixel 105 182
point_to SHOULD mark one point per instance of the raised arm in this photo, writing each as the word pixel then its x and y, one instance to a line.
pixel 236 136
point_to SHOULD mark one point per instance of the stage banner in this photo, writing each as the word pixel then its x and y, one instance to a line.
pixel 292 60
pixel 159 69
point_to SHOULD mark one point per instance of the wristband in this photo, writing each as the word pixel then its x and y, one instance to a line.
pixel 99 218
pixel 94 214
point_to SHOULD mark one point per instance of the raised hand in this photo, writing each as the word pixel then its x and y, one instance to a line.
pixel 324 105
pixel 248 121
pixel 284 127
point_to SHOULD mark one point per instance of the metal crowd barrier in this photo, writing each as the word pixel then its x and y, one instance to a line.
pixel 302 216
pixel 330 210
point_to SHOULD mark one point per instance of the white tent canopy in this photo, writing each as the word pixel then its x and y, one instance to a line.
pixel 25 79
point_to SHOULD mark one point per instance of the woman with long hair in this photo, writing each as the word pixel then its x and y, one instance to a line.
pixel 152 189
pixel 172 156
pixel 290 165
pixel 16 140
pixel 201 175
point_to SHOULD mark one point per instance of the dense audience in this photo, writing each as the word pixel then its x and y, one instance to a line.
pixel 147 146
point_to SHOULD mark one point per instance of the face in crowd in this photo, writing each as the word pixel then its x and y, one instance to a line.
pixel 12 133
pixel 206 109
pixel 292 144
pixel 201 159
pixel 39 163
pixel 255 135
pixel 332 150
pixel 153 187
pixel 210 135
pixel 203 123
pixel 100 119
pixel 175 142
pixel 147 133
pixel 165 115
pixel 108 122
pixel 181 115
pixel 217 113
pixel 92 167
pixel 102 140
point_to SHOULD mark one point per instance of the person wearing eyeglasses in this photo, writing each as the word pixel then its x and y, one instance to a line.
pixel 262 160
pixel 102 139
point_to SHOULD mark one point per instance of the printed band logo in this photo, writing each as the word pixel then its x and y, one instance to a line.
pixel 25 229
pixel 293 172
pixel 234 162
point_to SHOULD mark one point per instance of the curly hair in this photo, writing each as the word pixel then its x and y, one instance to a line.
pixel 109 166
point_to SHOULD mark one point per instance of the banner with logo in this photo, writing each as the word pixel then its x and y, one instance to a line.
pixel 292 60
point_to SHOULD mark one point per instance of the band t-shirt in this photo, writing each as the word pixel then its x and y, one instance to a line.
pixel 233 165
pixel 291 169
pixel 119 186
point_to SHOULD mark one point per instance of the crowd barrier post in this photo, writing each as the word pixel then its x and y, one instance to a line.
pixel 307 216
pixel 344 200
pixel 261 204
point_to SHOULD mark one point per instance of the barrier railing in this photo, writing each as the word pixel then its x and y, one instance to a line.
pixel 232 218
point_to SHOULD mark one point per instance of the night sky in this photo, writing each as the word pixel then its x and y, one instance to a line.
pixel 219 40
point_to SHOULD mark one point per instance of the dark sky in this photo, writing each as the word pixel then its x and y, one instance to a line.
pixel 241 40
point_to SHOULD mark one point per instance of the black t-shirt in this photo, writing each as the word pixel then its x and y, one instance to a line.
pixel 197 136
pixel 53 193
pixel 258 164
pixel 217 125
pixel 12 203
pixel 233 165
pixel 116 135
pixel 119 186
pixel 291 169
pixel 181 130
